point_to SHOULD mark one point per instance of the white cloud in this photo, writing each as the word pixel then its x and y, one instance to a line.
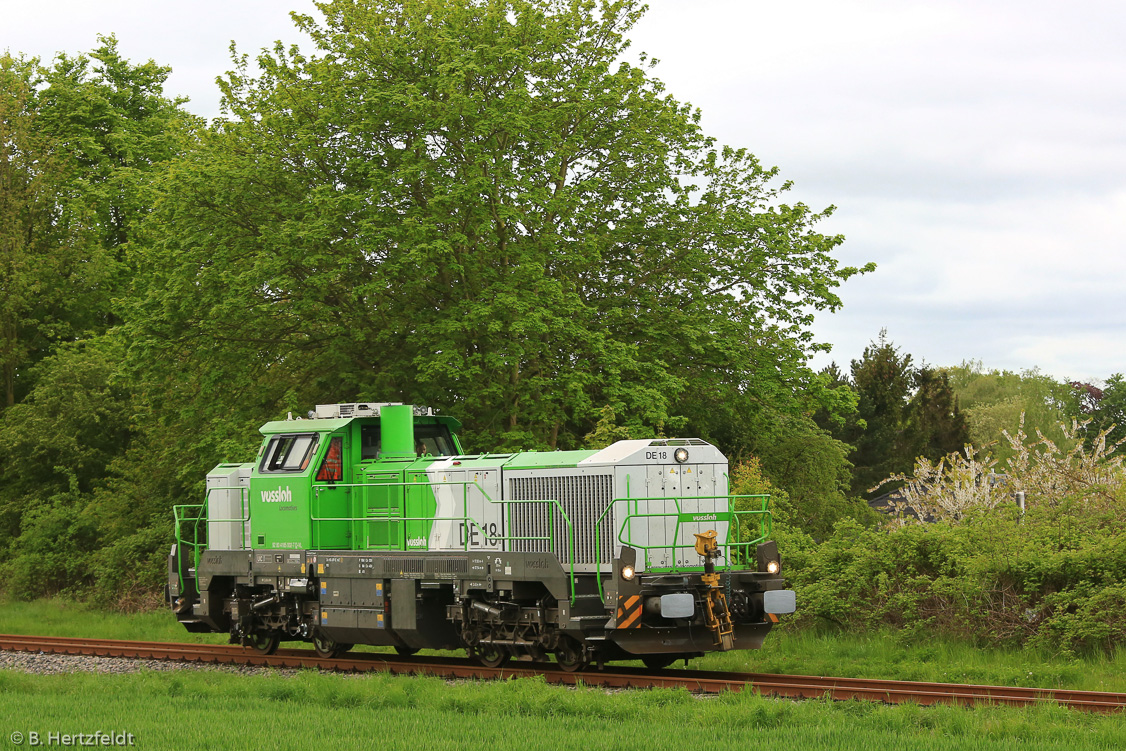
pixel 974 150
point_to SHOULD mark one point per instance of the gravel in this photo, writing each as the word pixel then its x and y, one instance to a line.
pixel 43 663
pixel 46 663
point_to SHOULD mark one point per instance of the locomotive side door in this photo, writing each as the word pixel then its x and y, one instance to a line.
pixel 330 501
pixel 381 510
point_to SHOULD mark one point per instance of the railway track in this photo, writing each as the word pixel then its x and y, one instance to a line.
pixel 698 681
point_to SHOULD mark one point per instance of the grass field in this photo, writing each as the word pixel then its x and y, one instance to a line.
pixel 190 710
pixel 884 655
pixel 214 710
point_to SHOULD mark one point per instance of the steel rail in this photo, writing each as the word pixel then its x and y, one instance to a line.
pixel 696 681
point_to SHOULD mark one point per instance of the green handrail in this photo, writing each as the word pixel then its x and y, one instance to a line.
pixel 198 513
pixel 369 518
pixel 732 516
pixel 195 514
pixel 466 519
pixel 179 514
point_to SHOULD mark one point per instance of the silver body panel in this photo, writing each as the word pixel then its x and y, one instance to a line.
pixel 228 507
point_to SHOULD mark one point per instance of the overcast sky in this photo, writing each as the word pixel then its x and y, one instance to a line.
pixel 976 151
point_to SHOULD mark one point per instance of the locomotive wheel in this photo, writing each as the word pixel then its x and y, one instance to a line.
pixel 491 656
pixel 406 651
pixel 327 647
pixel 263 643
pixel 659 662
pixel 570 656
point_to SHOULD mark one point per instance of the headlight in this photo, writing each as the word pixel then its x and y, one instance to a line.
pixel 772 567
pixel 627 573
pixel 681 455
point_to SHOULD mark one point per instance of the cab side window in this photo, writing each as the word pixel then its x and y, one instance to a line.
pixel 429 440
pixel 289 453
pixel 332 468
pixel 433 440
pixel 370 441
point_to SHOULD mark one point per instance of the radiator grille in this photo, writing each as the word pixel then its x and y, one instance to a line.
pixel 583 498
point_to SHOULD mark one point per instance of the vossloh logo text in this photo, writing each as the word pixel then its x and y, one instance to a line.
pixel 281 495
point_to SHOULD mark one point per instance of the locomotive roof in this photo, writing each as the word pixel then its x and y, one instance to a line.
pixel 304 426
pixel 544 459
pixel 327 425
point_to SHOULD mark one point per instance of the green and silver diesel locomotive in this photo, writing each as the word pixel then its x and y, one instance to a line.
pixel 368 524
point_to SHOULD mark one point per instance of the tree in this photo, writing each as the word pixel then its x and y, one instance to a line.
pixel 994 401
pixel 902 413
pixel 1108 411
pixel 473 204
pixel 935 424
pixel 40 243
pixel 79 142
pixel 882 379
pixel 813 468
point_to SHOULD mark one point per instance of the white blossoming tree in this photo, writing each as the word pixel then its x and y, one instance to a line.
pixel 962 482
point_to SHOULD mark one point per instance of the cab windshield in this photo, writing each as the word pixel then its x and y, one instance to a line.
pixel 289 453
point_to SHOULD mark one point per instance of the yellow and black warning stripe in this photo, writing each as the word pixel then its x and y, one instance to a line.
pixel 629 612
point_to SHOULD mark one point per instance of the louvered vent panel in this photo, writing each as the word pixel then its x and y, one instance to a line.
pixel 583 498
pixel 402 565
pixel 447 565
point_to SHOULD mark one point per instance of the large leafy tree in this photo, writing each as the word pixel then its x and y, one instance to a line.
pixel 1000 401
pixel 111 117
pixel 476 204
pixel 79 142
pixel 42 246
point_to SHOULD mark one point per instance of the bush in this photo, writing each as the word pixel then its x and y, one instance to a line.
pixel 52 554
pixel 1055 578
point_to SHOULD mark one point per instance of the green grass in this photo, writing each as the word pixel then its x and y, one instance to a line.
pixel 191 710
pixel 887 654
pixel 60 617
pixel 208 709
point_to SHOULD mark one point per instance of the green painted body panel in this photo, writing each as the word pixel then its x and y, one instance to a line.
pixel 280 511
pixel 288 524
pixel 397 430
pixel 283 505
pixel 333 501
